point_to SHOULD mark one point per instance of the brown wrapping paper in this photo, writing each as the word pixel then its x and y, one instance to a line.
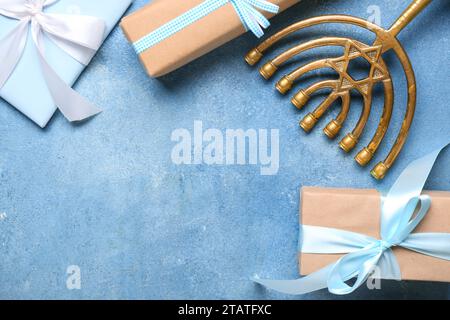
pixel 190 43
pixel 359 211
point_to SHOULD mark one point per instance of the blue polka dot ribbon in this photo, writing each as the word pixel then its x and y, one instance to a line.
pixel 247 10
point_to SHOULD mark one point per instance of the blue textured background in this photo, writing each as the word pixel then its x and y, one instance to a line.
pixel 105 195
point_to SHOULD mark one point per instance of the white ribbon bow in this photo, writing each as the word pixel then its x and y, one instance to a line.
pixel 79 36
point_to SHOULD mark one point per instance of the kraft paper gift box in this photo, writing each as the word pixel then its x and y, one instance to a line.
pixel 26 88
pixel 359 211
pixel 197 39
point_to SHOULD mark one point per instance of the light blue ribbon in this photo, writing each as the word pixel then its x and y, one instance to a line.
pixel 247 10
pixel 399 218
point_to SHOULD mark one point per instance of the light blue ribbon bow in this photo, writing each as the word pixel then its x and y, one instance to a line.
pixel 399 218
pixel 247 10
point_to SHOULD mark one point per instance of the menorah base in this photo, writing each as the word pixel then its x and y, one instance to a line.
pixel 300 99
pixel 253 57
pixel 380 170
pixel 364 157
pixel 332 129
pixel 268 70
pixel 284 85
pixel 308 122
pixel 348 143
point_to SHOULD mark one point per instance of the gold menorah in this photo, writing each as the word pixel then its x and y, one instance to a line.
pixel 340 89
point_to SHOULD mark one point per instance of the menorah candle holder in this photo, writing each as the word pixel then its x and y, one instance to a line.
pixel 386 40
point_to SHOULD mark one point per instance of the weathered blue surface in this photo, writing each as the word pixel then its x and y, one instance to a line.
pixel 106 196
